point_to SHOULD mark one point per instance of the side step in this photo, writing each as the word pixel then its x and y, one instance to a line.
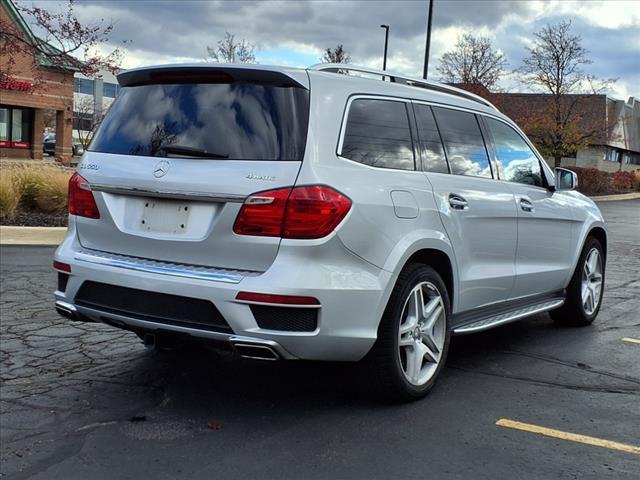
pixel 490 320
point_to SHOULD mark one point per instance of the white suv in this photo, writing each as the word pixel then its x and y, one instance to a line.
pixel 307 214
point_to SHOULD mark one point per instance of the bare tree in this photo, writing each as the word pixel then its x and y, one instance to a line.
pixel 84 115
pixel 335 55
pixel 473 61
pixel 230 50
pixel 66 42
pixel 554 66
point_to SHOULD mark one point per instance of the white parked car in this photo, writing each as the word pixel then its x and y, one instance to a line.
pixel 304 214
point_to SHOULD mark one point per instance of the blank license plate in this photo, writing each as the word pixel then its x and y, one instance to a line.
pixel 162 216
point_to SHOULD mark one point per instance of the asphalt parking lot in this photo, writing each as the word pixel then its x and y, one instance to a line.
pixel 89 401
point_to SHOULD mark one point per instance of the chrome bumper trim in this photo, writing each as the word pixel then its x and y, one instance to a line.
pixel 195 196
pixel 161 267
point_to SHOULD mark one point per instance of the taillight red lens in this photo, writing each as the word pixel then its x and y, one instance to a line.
pixel 81 201
pixel 262 214
pixel 314 211
pixel 305 212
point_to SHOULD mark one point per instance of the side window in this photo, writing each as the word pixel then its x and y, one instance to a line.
pixel 516 161
pixel 429 141
pixel 462 138
pixel 378 134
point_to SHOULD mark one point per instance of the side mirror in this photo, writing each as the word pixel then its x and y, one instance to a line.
pixel 566 179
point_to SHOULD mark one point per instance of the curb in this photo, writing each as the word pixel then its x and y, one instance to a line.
pixel 613 198
pixel 32 235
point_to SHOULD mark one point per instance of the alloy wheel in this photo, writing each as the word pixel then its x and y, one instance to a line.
pixel 422 333
pixel 591 281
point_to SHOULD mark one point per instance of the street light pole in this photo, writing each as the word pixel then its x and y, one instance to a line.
pixel 428 46
pixel 386 43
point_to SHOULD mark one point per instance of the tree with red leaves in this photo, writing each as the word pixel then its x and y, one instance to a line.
pixel 65 42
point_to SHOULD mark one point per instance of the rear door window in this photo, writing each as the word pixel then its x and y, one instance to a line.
pixel 377 134
pixel 463 141
pixel 429 141
pixel 516 161
pixel 239 120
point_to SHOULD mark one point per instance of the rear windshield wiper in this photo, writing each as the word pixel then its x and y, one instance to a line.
pixel 192 152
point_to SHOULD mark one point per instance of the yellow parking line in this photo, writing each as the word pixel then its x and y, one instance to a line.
pixel 631 340
pixel 573 437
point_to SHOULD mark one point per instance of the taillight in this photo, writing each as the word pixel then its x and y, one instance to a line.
pixel 305 212
pixel 81 201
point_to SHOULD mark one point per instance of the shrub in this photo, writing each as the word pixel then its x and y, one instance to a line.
pixel 625 180
pixel 592 181
pixel 52 195
pixel 28 181
pixel 9 196
pixel 33 187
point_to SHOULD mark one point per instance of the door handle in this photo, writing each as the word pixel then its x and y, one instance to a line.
pixel 457 202
pixel 526 205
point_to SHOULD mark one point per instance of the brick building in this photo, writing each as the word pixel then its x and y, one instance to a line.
pixel 34 86
pixel 616 147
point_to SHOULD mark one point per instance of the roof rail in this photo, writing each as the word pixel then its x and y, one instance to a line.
pixel 403 79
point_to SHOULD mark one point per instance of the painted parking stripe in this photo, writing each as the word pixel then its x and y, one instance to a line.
pixel 572 437
pixel 631 340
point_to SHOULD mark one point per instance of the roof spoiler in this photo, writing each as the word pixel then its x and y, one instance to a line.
pixel 206 74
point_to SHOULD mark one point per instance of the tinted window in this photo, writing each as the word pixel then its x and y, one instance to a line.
pixel 241 120
pixel 429 141
pixel 109 90
pixel 516 161
pixel 378 134
pixel 462 138
pixel 83 85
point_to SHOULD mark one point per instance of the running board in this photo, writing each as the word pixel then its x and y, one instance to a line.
pixel 495 320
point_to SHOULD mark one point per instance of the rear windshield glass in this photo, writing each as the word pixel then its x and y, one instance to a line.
pixel 240 121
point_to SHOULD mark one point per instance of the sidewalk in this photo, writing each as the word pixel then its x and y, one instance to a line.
pixel 620 196
pixel 31 235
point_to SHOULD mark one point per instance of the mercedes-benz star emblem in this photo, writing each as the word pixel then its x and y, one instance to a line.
pixel 161 169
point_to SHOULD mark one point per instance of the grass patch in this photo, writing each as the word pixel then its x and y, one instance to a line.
pixel 40 188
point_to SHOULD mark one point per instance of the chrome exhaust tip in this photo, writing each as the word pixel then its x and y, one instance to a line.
pixel 67 310
pixel 255 351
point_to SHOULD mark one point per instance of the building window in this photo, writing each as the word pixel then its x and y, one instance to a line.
pixel 110 90
pixel 612 155
pixel 83 85
pixel 4 127
pixel 15 127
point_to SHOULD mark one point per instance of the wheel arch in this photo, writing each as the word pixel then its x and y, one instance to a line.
pixel 599 234
pixel 429 248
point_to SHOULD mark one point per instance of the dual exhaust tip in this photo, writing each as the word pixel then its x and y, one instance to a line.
pixel 245 348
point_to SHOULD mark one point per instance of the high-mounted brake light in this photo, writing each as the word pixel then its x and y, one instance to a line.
pixel 280 299
pixel 81 201
pixel 305 212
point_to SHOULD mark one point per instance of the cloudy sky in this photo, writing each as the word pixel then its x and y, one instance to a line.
pixel 295 32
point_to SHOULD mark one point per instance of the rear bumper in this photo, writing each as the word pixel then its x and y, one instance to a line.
pixel 352 295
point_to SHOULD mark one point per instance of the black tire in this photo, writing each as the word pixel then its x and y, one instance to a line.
pixel 573 313
pixel 383 363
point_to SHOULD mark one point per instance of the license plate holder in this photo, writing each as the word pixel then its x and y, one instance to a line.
pixel 165 216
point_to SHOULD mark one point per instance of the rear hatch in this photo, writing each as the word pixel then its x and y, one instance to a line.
pixel 179 151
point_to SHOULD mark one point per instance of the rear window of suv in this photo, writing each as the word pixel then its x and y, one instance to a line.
pixel 239 120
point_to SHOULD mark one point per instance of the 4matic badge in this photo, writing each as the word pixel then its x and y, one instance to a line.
pixel 267 178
